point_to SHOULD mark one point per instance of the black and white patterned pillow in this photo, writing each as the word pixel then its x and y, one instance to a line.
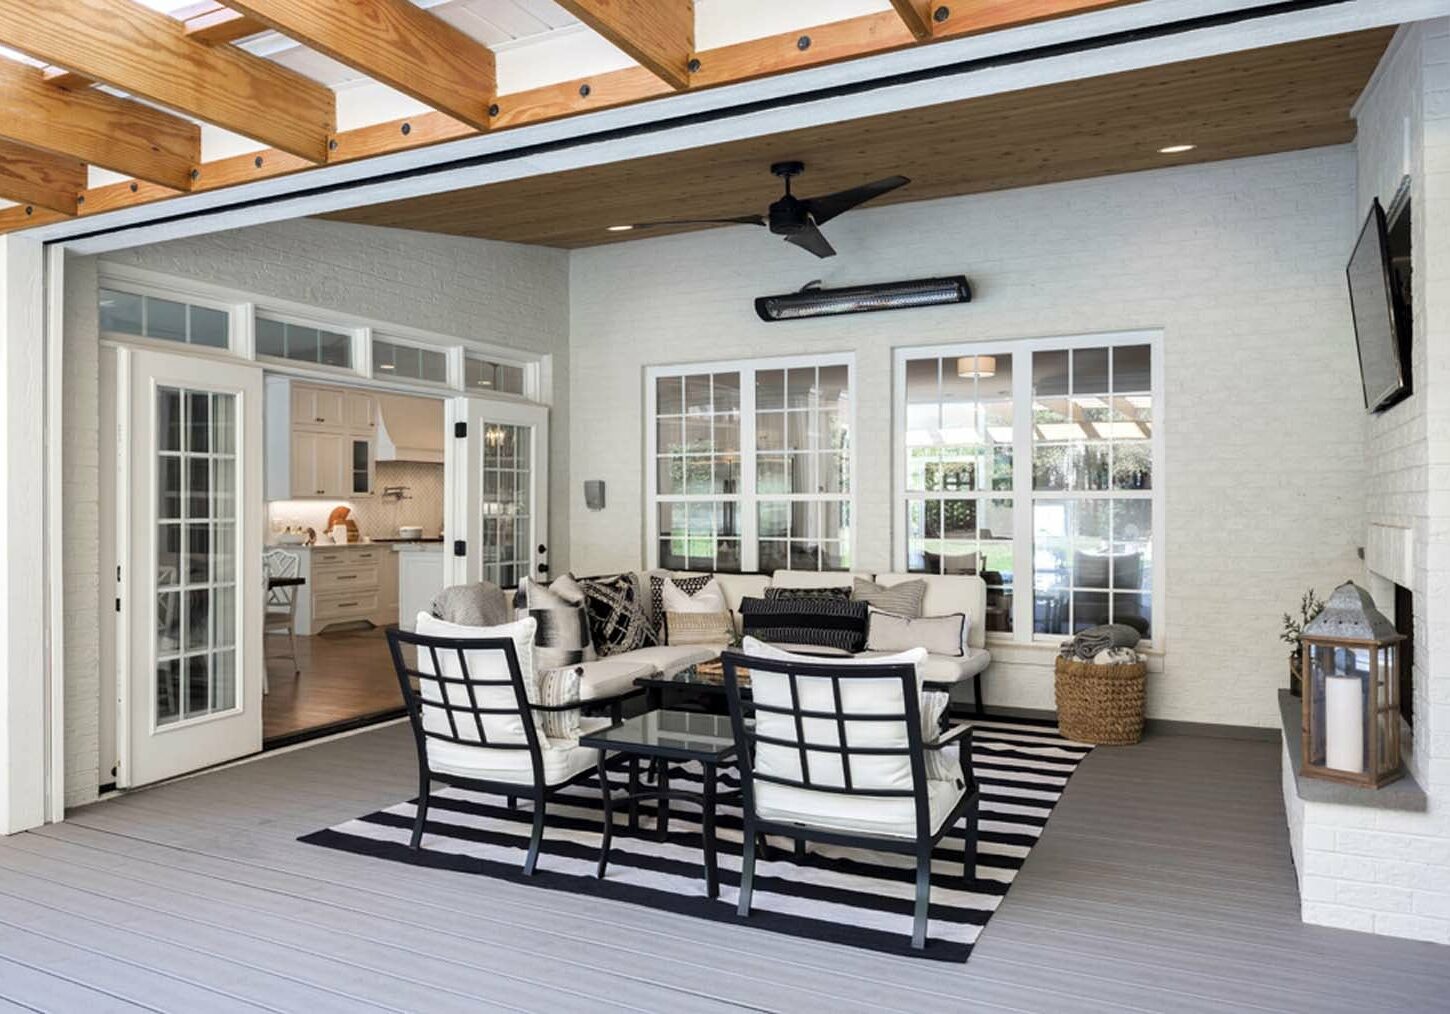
pixel 815 620
pixel 562 636
pixel 842 594
pixel 689 585
pixel 617 622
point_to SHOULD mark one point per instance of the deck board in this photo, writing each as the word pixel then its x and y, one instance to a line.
pixel 1163 882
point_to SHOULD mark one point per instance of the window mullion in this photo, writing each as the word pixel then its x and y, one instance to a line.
pixel 1023 578
pixel 749 498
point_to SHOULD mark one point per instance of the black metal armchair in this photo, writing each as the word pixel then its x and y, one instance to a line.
pixel 836 753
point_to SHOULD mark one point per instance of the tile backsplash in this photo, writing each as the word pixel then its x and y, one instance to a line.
pixel 377 516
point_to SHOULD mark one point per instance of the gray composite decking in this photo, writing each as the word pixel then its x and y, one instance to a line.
pixel 1162 883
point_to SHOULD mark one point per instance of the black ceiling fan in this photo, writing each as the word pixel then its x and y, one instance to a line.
pixel 798 219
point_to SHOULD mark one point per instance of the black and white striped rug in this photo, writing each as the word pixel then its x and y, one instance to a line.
pixel 860 899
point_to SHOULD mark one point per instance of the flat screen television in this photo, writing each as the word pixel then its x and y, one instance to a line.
pixel 1381 320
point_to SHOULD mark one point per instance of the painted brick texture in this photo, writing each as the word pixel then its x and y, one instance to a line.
pixel 1240 263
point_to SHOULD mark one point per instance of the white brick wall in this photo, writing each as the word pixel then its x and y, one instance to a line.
pixel 1239 262
pixel 1364 867
pixel 502 293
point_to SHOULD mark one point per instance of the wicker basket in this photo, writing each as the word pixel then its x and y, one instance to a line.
pixel 1101 704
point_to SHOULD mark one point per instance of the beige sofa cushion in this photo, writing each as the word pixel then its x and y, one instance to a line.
pixel 945 668
pixel 814 579
pixel 609 677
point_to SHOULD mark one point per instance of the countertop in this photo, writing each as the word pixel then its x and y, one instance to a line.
pixel 396 545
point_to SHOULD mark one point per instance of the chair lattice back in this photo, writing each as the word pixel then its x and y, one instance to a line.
pixel 841 725
pixel 469 692
pixel 281 563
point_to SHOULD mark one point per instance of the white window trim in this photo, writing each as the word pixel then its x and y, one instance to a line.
pixel 1022 494
pixel 749 520
pixel 243 307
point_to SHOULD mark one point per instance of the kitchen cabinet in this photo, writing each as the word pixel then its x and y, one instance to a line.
pixel 321 441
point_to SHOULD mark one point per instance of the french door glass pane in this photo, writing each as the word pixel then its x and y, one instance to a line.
pixel 196 536
pixel 506 504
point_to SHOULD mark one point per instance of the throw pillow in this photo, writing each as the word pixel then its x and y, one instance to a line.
pixel 689 585
pixel 557 688
pixel 699 628
pixel 842 594
pixel 709 599
pixel 809 620
pixel 563 624
pixel 616 617
pixel 902 599
pixel 940 635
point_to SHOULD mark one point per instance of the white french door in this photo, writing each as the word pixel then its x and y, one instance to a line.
pixel 189 575
pixel 497 476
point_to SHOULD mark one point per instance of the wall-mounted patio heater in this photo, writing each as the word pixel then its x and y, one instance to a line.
pixel 814 301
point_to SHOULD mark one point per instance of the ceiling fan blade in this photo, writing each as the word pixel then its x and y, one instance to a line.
pixel 823 209
pixel 814 240
pixel 737 220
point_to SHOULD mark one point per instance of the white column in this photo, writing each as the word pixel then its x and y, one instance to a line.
pixel 23 655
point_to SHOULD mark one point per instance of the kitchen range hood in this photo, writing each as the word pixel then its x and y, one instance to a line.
pixel 409 429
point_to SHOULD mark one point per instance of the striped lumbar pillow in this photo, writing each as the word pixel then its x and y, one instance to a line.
pixel 809 620
pixel 699 628
pixel 904 599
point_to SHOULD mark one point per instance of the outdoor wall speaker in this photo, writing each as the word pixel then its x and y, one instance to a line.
pixel 814 301
pixel 594 494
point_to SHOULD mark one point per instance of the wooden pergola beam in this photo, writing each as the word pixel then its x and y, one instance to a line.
pixel 657 34
pixel 395 43
pixel 831 43
pixel 97 127
pixel 40 179
pixel 217 25
pixel 148 54
pixel 916 15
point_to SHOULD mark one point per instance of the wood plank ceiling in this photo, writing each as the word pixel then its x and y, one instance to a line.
pixel 1256 102
pixel 181 61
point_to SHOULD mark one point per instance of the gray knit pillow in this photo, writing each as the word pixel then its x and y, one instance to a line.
pixel 902 599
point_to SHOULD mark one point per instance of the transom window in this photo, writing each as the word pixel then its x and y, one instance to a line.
pixel 750 465
pixel 129 313
pixel 396 361
pixel 486 375
pixel 1032 464
pixel 302 343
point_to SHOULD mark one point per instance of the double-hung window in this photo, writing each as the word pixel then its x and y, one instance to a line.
pixel 1035 464
pixel 750 465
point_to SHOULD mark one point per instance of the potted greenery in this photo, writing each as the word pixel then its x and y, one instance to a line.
pixel 1310 606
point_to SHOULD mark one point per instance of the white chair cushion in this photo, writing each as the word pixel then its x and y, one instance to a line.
pixel 482 665
pixel 562 761
pixel 892 816
pixel 951 593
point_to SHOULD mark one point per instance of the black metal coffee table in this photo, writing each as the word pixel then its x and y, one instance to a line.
pixel 665 736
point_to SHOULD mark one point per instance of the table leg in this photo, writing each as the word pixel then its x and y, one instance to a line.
pixel 712 875
pixel 608 816
pixel 634 793
pixel 662 822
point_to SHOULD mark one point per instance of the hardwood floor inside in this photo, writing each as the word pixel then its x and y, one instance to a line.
pixel 345 676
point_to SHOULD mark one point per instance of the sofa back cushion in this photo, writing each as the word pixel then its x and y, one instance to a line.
pixel 951 593
pixel 813 579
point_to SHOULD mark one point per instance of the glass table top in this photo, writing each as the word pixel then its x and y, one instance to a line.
pixel 708 675
pixel 682 734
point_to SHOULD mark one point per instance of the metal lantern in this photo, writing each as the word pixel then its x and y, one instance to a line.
pixel 1351 672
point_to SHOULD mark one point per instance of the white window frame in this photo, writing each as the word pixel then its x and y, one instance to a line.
pixel 244 307
pixel 1023 496
pixel 749 514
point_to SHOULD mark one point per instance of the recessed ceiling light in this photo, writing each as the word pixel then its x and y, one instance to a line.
pixel 1176 149
pixel 620 228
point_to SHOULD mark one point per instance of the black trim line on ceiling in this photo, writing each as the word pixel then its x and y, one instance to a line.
pixel 1044 52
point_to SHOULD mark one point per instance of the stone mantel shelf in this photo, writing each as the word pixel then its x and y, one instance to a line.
pixel 1404 794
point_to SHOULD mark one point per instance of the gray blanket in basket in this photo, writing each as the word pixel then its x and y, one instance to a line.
pixel 1089 642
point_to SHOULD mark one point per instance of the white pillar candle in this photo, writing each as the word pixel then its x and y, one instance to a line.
pixel 1343 724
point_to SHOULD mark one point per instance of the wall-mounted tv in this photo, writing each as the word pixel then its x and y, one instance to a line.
pixel 1378 295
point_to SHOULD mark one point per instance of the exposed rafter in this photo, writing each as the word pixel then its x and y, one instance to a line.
pixel 97 127
pixel 917 16
pixel 39 178
pixel 147 54
pixel 395 43
pixel 657 34
pixel 274 105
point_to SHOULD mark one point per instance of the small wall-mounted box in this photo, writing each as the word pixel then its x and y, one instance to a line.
pixel 594 494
